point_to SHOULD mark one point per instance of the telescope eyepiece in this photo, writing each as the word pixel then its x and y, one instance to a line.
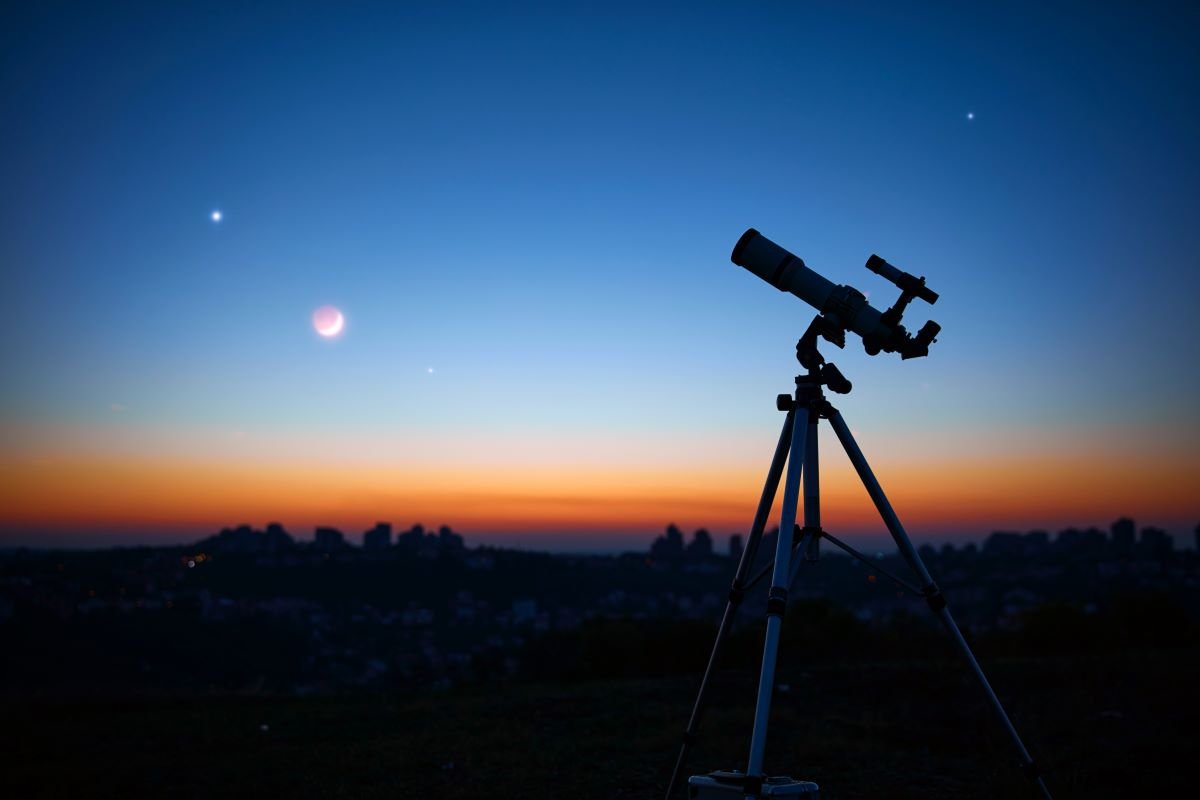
pixel 928 334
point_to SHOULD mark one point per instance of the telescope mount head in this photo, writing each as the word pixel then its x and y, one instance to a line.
pixel 819 371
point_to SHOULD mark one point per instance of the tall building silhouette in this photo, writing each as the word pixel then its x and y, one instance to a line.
pixel 379 537
pixel 701 545
pixel 668 547
pixel 1124 535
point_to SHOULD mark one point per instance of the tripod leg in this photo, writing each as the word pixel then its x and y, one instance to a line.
pixel 737 590
pixel 777 597
pixel 932 594
pixel 808 548
pixel 812 489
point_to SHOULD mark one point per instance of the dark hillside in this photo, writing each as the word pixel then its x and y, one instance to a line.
pixel 1105 726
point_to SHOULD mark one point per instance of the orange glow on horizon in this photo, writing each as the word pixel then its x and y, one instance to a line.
pixel 94 491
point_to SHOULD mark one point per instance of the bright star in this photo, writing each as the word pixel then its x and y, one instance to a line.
pixel 970 115
pixel 216 216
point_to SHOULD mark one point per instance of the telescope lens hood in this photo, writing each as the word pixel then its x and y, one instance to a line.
pixel 739 249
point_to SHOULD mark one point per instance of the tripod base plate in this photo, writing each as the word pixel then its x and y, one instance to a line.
pixel 730 785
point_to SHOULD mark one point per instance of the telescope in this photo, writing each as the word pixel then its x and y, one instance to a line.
pixel 843 308
pixel 839 309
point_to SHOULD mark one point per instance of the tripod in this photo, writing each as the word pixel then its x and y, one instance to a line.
pixel 797 448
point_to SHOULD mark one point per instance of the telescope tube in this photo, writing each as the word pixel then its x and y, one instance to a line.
pixel 787 273
pixel 781 269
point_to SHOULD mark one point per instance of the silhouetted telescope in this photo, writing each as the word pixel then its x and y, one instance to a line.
pixel 843 307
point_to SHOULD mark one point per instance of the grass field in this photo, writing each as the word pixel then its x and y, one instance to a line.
pixel 1103 727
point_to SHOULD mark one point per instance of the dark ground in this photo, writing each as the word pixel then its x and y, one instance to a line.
pixel 1104 726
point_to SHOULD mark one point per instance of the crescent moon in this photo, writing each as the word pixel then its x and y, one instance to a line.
pixel 328 321
pixel 335 327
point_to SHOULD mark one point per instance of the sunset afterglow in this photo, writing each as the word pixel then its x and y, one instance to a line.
pixel 553 495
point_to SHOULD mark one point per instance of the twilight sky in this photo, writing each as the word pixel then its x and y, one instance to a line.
pixel 526 217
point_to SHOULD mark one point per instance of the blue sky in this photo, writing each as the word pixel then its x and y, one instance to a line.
pixel 538 202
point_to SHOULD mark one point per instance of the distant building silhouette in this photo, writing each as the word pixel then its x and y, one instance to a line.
pixel 701 546
pixel 766 545
pixel 1068 540
pixel 668 548
pixel 1004 543
pixel 244 540
pixel 1035 543
pixel 1155 543
pixel 1124 534
pixel 448 540
pixel 430 545
pixel 1090 542
pixel 736 546
pixel 413 538
pixel 1094 542
pixel 379 537
pixel 1029 545
pixel 329 540
pixel 276 539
